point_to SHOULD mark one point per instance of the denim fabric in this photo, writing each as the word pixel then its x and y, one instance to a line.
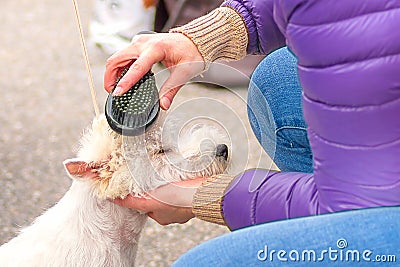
pixel 353 238
pixel 275 112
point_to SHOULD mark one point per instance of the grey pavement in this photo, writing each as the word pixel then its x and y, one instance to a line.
pixel 45 106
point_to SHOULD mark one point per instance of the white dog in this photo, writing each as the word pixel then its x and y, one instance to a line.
pixel 86 229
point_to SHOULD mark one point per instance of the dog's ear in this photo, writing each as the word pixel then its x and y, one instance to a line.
pixel 79 169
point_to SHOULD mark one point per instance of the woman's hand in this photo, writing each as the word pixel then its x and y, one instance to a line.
pixel 170 203
pixel 174 50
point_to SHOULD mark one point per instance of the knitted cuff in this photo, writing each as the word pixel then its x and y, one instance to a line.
pixel 219 35
pixel 207 201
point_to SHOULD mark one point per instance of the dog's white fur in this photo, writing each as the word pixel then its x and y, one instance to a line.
pixel 84 228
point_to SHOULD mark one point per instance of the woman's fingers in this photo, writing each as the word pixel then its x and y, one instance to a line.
pixel 114 69
pixel 170 203
pixel 137 203
pixel 180 74
pixel 138 69
pixel 122 59
pixel 174 50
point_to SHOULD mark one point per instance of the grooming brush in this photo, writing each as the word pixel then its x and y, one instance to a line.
pixel 131 113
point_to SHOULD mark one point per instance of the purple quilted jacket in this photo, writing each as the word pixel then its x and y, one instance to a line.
pixel 349 66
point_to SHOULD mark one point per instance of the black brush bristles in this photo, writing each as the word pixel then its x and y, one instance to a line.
pixel 135 110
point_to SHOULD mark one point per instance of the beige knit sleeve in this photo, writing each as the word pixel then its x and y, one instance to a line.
pixel 219 35
pixel 207 201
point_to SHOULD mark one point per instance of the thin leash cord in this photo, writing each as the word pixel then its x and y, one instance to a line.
pixel 86 57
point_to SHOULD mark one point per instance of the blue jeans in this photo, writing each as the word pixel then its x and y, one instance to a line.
pixel 275 112
pixel 352 238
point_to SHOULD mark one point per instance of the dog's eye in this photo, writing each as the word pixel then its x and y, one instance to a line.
pixel 162 151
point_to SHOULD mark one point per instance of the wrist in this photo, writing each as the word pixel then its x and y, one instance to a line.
pixel 219 35
pixel 208 198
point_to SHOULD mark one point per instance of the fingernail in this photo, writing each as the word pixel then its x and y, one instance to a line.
pixel 165 102
pixel 117 91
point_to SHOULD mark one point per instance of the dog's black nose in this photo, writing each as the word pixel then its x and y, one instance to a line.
pixel 222 151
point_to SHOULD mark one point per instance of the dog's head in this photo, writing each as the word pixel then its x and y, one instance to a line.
pixel 117 165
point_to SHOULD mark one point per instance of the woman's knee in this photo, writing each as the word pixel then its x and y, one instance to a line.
pixel 274 91
pixel 275 88
pixel 274 99
pixel 276 73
